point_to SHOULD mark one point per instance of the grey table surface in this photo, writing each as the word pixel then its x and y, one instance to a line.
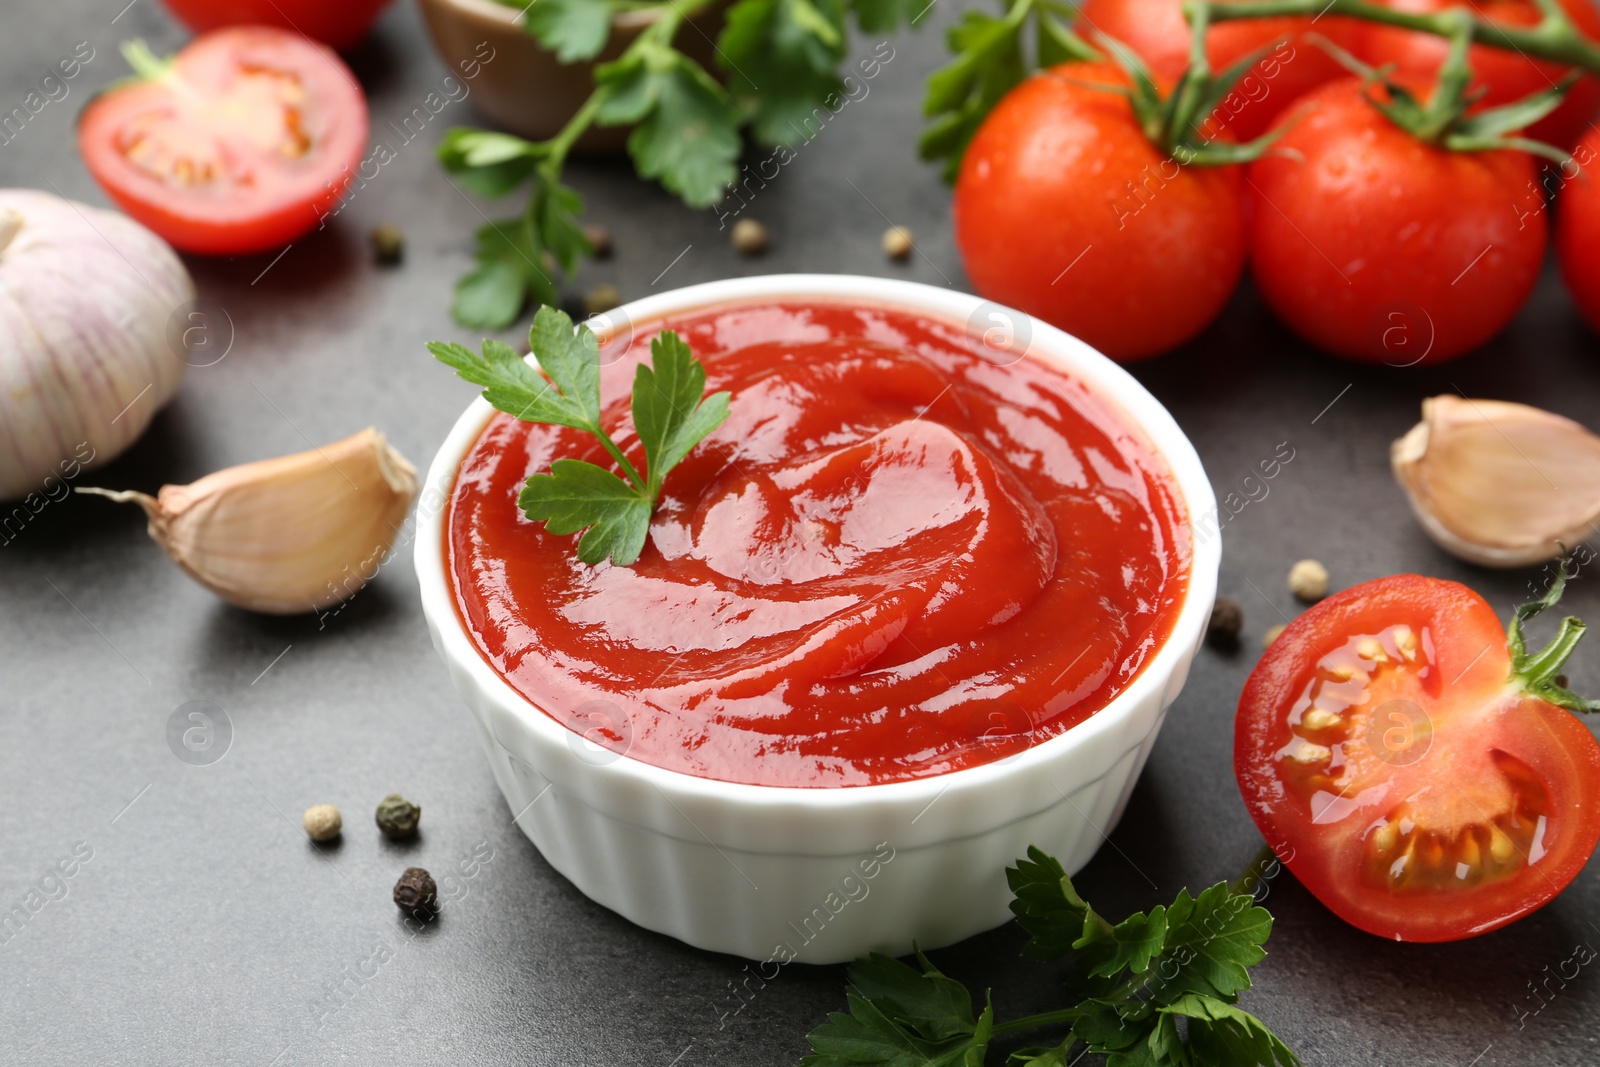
pixel 206 929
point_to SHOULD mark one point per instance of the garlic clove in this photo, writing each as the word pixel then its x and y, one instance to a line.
pixel 286 535
pixel 1497 483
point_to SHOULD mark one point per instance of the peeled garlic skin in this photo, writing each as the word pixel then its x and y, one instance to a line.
pixel 288 535
pixel 1497 483
pixel 85 297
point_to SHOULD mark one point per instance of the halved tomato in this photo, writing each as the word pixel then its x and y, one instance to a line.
pixel 242 143
pixel 1411 765
pixel 341 23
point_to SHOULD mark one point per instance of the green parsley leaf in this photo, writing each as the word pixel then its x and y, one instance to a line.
pixel 572 360
pixel 1188 960
pixel 581 496
pixel 782 57
pixel 1046 905
pixel 519 259
pixel 1212 942
pixel 1042 1057
pixel 508 255
pixel 1223 1034
pixel 1128 946
pixel 931 1003
pixel 487 163
pixel 688 129
pixel 885 16
pixel 960 95
pixel 573 29
pixel 668 413
pixel 899 1017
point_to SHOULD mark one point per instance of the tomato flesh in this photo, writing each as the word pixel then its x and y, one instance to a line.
pixel 245 144
pixel 1385 752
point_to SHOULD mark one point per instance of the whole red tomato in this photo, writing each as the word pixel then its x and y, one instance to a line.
pixel 1158 32
pixel 1505 75
pixel 244 144
pixel 340 23
pixel 1578 226
pixel 1408 770
pixel 1376 246
pixel 1066 210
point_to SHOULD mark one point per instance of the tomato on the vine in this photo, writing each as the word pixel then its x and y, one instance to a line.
pixel 1377 246
pixel 1065 209
pixel 1504 75
pixel 340 23
pixel 245 141
pixel 1578 226
pixel 1411 765
pixel 1291 67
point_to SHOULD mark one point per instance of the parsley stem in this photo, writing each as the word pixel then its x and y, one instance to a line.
pixel 1553 37
pixel 557 147
pixel 1049 1018
pixel 661 32
pixel 622 461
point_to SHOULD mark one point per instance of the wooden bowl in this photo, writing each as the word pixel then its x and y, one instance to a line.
pixel 523 88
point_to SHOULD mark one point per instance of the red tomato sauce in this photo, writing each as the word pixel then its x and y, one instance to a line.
pixel 894 560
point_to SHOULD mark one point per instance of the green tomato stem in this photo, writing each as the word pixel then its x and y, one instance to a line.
pixel 1554 37
pixel 1536 672
pixel 1253 875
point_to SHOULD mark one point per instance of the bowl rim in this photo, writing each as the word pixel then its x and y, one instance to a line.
pixel 1064 352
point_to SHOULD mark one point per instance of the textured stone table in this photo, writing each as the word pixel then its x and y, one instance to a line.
pixel 205 929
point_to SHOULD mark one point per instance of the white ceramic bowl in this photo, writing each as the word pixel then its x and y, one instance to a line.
pixel 822 875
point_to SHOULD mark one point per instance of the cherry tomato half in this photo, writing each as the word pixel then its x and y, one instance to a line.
pixel 243 144
pixel 1377 246
pixel 1397 767
pixel 340 23
pixel 1066 210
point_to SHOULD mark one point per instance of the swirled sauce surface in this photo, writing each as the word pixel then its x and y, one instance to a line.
pixel 895 559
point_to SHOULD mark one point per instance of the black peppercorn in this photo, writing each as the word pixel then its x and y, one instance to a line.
pixel 1227 619
pixel 415 891
pixel 397 817
pixel 599 241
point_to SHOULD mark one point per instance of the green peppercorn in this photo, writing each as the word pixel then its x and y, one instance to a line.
pixel 388 243
pixel 415 891
pixel 397 817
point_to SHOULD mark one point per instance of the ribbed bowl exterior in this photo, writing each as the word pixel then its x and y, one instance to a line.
pixel 820 875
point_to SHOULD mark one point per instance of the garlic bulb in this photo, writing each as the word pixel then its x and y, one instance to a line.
pixel 1499 484
pixel 286 535
pixel 85 298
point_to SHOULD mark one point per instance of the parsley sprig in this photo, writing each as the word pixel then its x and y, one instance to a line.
pixel 780 59
pixel 1137 979
pixel 671 415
